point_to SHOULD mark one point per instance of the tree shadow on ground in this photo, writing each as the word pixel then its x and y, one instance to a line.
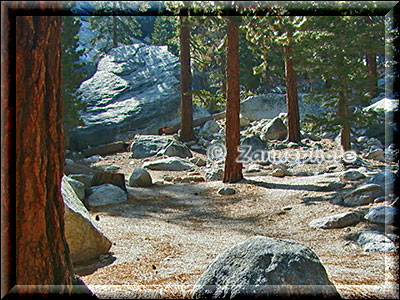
pixel 271 185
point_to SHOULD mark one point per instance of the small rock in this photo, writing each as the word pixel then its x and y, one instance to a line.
pixel 351 175
pixel 274 130
pixel 313 137
pixel 214 174
pixel 336 221
pixel 198 161
pixel 286 208
pixel 168 178
pixel 93 159
pixel 112 168
pixel 169 164
pixel 382 215
pixel 278 173
pixel 332 167
pixel 175 148
pixel 140 178
pixel 363 195
pixel 105 194
pixel 374 241
pixel 293 145
pixel 226 191
pixel 376 154
pixel 253 168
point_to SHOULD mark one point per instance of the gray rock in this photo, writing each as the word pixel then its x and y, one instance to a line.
pixel 383 127
pixel 244 122
pixel 226 190
pixel 112 168
pixel 280 171
pixel 287 208
pixel 335 185
pixel 140 178
pixel 363 195
pixel 253 168
pixel 374 241
pixel 337 220
pixel 93 159
pixel 169 164
pixel 274 130
pixel 382 215
pixel 84 239
pixel 210 127
pixel 213 174
pixel 83 178
pixel 265 267
pixel 78 187
pixel 267 106
pixel 105 194
pixel 277 173
pixel 253 149
pixel 123 96
pixel 351 175
pixel 387 180
pixel 198 161
pixel 178 149
pixel 377 154
pixel 149 145
pixel 271 105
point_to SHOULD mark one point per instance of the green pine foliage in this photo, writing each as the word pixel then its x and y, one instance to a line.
pixel 336 55
pixel 166 33
pixel 72 72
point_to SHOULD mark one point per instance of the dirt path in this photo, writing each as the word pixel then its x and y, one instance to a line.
pixel 165 236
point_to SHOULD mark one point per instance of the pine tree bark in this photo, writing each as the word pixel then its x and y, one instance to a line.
pixel 233 169
pixel 7 156
pixel 186 82
pixel 344 117
pixel 372 74
pixel 42 254
pixel 291 97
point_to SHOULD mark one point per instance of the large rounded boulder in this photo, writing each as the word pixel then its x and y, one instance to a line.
pixel 265 267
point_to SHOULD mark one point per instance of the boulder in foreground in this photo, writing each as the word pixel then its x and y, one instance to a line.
pixel 84 239
pixel 265 267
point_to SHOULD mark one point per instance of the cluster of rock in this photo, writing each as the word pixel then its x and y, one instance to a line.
pixel 378 188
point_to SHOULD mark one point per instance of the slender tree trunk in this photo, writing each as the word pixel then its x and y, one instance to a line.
pixel 344 117
pixel 233 169
pixel 186 83
pixel 372 74
pixel 291 97
pixel 114 31
pixel 42 254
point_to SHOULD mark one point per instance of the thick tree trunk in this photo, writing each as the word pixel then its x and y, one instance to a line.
pixel 42 253
pixel 233 169
pixel 291 98
pixel 186 83
pixel 344 117
pixel 372 74
pixel 7 156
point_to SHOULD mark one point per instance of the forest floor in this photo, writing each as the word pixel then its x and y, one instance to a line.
pixel 165 236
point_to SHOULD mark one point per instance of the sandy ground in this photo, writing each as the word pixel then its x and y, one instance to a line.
pixel 166 235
